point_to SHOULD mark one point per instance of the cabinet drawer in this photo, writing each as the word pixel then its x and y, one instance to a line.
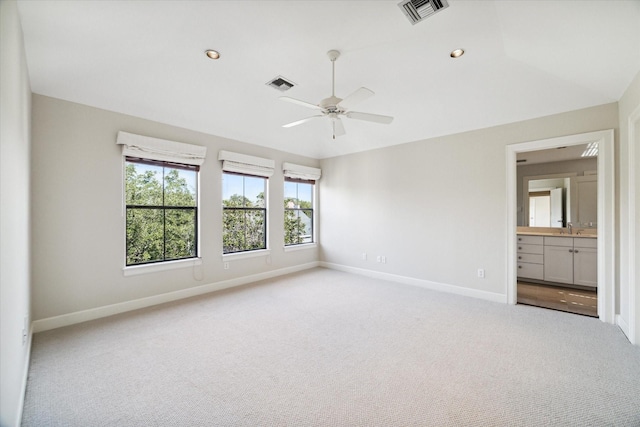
pixel 531 258
pixel 530 240
pixel 585 242
pixel 531 271
pixel 558 241
pixel 530 249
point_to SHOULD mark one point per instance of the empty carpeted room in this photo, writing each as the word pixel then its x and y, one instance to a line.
pixel 319 213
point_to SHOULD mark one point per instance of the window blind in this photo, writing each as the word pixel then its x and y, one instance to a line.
pixel 306 173
pixel 146 147
pixel 244 164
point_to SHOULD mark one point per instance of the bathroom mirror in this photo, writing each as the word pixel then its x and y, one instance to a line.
pixel 549 201
pixel 558 186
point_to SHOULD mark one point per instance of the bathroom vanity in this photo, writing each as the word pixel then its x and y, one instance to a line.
pixel 558 257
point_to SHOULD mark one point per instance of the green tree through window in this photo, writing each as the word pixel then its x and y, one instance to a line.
pixel 161 211
pixel 298 211
pixel 244 213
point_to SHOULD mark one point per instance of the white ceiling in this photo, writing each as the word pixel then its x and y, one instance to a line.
pixel 524 59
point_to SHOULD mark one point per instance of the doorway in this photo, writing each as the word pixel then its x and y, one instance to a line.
pixel 605 209
pixel 546 208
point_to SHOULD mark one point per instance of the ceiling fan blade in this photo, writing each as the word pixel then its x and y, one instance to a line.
pixel 355 98
pixel 303 103
pixel 338 127
pixel 377 118
pixel 299 122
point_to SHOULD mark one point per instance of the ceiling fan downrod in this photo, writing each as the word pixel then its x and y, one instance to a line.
pixel 333 55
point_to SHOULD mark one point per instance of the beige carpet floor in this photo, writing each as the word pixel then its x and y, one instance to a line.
pixel 327 348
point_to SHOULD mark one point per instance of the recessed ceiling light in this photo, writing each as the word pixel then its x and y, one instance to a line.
pixel 457 53
pixel 213 54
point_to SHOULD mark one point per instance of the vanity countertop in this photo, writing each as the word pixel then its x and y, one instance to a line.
pixel 557 232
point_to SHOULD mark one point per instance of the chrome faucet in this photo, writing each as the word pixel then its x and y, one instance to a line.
pixel 569 226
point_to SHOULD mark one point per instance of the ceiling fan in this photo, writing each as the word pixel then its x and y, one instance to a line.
pixel 334 107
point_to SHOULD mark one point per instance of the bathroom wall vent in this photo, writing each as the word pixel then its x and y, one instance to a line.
pixel 281 83
pixel 419 10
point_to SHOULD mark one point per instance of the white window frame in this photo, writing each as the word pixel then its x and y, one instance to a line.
pixel 250 253
pixel 294 171
pixel 145 147
pixel 311 244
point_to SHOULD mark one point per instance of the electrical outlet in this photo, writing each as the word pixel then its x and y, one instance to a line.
pixel 481 273
pixel 25 329
pixel 379 258
pixel 226 265
pixel 384 259
pixel 364 256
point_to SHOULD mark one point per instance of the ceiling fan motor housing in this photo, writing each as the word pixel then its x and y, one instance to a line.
pixel 331 103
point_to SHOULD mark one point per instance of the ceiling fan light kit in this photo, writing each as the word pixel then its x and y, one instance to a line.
pixel 334 107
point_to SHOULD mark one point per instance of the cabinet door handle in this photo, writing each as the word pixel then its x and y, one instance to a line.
pixel 519 257
pixel 575 251
pixel 519 266
pixel 520 248
pixel 570 250
pixel 519 239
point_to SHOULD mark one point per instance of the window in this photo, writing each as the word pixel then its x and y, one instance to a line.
pixel 244 214
pixel 161 211
pixel 299 191
pixel 298 211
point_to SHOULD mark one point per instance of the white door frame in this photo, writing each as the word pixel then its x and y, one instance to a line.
pixel 634 233
pixel 606 213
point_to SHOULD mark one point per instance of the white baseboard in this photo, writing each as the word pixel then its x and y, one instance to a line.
pixel 427 284
pixel 623 325
pixel 109 310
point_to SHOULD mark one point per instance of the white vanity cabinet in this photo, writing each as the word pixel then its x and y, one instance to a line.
pixel 530 257
pixel 571 260
pixel 585 262
pixel 558 259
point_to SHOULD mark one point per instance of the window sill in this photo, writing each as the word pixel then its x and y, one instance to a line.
pixel 300 247
pixel 134 270
pixel 247 254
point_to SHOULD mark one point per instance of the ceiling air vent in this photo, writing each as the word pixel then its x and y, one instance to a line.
pixel 417 10
pixel 281 83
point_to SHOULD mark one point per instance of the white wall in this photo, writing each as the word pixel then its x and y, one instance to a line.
pixel 435 208
pixel 629 193
pixel 78 226
pixel 15 119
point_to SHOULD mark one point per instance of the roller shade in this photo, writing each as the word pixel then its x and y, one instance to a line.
pixel 244 164
pixel 301 172
pixel 146 147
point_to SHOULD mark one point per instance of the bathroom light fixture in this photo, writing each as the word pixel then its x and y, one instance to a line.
pixel 213 54
pixel 457 53
pixel 591 150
